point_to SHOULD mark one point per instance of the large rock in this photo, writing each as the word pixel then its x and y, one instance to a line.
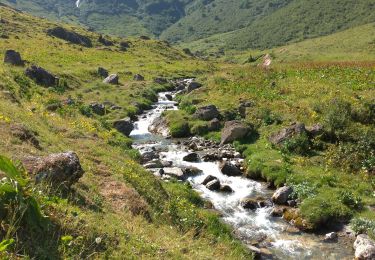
pixel 287 133
pixel 70 36
pixel 226 188
pixel 103 72
pixel 208 179
pixel 14 58
pixel 192 86
pixel 249 203
pixel 149 156
pixel 281 195
pixel 233 130
pixel 213 185
pixel 206 113
pixel 41 76
pixel 229 169
pixel 58 169
pixel 175 172
pixel 191 157
pixel 364 248
pixel 124 126
pixel 214 125
pixel 315 130
pixel 111 79
pixel 159 126
pixel 138 77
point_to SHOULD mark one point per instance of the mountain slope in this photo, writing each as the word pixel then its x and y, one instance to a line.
pixel 117 208
pixel 239 24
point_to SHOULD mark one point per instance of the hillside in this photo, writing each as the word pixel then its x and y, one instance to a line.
pixel 117 208
pixel 237 24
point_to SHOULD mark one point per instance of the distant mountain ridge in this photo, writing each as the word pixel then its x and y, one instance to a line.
pixel 245 23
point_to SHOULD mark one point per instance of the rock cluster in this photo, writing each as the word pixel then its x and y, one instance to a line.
pixel 69 36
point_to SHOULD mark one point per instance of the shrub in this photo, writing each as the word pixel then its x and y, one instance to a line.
pixel 299 144
pixel 363 226
pixel 85 110
pixel 179 129
pixel 198 128
pixel 337 116
pixel 350 200
pixel 304 190
pixel 324 209
pixel 119 140
pixel 365 114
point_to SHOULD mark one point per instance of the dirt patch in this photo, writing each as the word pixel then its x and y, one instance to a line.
pixel 122 197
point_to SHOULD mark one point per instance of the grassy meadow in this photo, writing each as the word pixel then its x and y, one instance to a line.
pixel 117 209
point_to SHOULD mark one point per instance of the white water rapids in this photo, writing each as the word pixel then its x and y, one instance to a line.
pixel 277 236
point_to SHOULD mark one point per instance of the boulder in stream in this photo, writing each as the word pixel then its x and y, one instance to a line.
pixel 226 188
pixel 249 203
pixel 208 179
pixel 281 195
pixel 229 169
pixel 364 248
pixel 191 157
pixel 213 185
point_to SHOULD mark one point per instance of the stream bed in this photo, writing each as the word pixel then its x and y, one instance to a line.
pixel 279 239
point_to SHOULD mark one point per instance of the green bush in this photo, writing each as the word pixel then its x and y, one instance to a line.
pixel 198 128
pixel 299 144
pixel 363 226
pixel 338 115
pixel 304 190
pixel 350 200
pixel 365 114
pixel 179 129
pixel 324 208
pixel 121 141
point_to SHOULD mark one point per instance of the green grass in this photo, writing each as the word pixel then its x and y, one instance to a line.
pixel 142 223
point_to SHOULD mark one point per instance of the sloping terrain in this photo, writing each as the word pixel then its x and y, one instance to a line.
pixel 235 24
pixel 117 208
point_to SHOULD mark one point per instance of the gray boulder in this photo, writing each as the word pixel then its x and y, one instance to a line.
pixel 249 203
pixel 234 130
pixel 208 179
pixel 281 195
pixel 364 248
pixel 14 58
pixel 287 133
pixel 226 188
pixel 70 36
pixel 191 157
pixel 214 125
pixel 160 80
pixel 58 169
pixel 330 237
pixel 149 156
pixel 103 72
pixel 138 77
pixel 174 172
pixel 124 126
pixel 159 126
pixel 111 79
pixel 41 76
pixel 192 86
pixel 229 169
pixel 206 113
pixel 213 185
pixel 315 130
pixel 169 97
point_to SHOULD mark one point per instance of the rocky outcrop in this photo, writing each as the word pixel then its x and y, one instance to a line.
pixel 58 169
pixel 98 108
pixel 287 133
pixel 193 86
pixel 281 195
pixel 124 126
pixel 41 76
pixel 138 77
pixel 315 130
pixel 103 72
pixel 191 157
pixel 364 248
pixel 14 58
pixel 229 169
pixel 105 41
pixel 111 79
pixel 206 113
pixel 69 36
pixel 159 126
pixel 234 130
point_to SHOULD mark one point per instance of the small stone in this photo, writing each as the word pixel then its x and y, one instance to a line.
pixel 112 79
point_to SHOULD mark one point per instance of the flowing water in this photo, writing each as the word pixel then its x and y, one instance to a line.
pixel 279 237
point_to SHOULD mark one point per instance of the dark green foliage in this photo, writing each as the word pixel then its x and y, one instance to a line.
pixel 299 144
pixel 350 200
pixel 363 226
pixel 337 116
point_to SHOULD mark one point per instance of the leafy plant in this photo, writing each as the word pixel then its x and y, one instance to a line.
pixel 363 226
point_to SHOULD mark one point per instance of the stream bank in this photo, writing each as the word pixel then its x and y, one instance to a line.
pixel 257 227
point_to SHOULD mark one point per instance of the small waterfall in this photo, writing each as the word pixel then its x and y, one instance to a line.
pixel 78 2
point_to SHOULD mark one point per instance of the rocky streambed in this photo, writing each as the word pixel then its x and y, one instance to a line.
pixel 215 171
